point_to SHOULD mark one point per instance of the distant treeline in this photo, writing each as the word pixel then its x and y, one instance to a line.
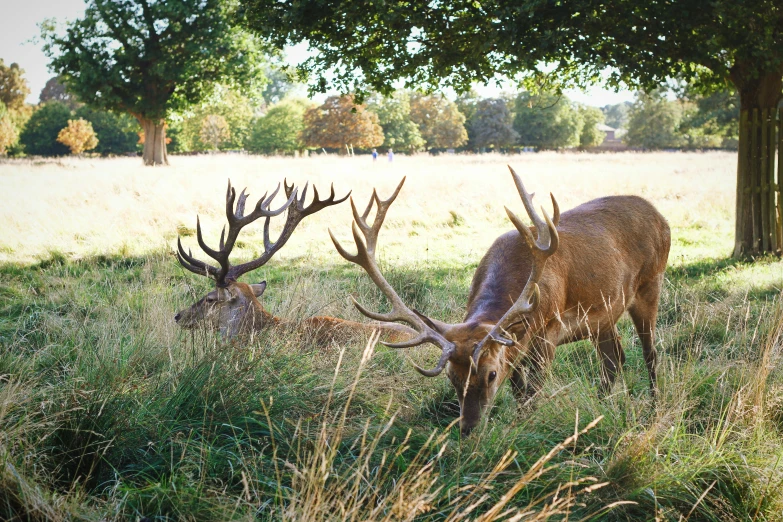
pixel 280 122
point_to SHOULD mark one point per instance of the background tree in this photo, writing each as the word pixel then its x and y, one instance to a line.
pixel 653 122
pixel 616 115
pixel 214 131
pixel 341 123
pixel 640 43
pixel 279 85
pixel 55 90
pixel 13 92
pixel 394 116
pixel 280 129
pixel 591 117
pixel 78 136
pixel 440 123
pixel 116 133
pixel 546 121
pixel 238 110
pixel 13 87
pixel 8 133
pixel 151 59
pixel 39 136
pixel 711 120
pixel 491 124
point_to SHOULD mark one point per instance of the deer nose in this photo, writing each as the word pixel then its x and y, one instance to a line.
pixel 465 430
pixel 177 317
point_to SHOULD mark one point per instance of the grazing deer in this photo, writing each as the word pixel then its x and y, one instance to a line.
pixel 233 307
pixel 570 281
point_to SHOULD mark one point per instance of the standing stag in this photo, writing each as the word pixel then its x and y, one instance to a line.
pixel 233 307
pixel 564 279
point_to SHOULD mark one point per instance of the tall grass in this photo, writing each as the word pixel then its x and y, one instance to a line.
pixel 108 412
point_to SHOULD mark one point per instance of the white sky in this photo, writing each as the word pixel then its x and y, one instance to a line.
pixel 19 43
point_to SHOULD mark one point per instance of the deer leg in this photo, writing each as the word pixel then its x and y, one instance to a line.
pixel 612 356
pixel 644 313
pixel 537 362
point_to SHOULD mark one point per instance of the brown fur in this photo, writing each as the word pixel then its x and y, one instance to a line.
pixel 236 310
pixel 611 259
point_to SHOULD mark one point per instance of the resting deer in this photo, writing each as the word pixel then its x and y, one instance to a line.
pixel 569 281
pixel 233 308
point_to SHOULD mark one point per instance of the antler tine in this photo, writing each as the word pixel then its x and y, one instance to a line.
pixel 365 258
pixel 547 235
pixel 187 260
pixel 296 212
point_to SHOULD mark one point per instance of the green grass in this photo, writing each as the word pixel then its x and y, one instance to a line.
pixel 109 412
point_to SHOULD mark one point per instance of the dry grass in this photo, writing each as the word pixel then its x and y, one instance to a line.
pixel 81 207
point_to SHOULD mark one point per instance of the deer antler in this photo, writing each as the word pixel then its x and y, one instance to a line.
pixel 541 248
pixel 365 258
pixel 237 220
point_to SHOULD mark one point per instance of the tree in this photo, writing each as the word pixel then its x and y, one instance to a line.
pixel 152 59
pixel 711 120
pixel 280 129
pixel 116 133
pixel 394 115
pixel 234 106
pixel 653 122
pixel 214 131
pixel 15 112
pixel 278 86
pixel 546 121
pixel 78 136
pixel 640 43
pixel 340 123
pixel 590 136
pixel 491 124
pixel 616 115
pixel 39 136
pixel 55 90
pixel 440 123
pixel 8 133
pixel 13 88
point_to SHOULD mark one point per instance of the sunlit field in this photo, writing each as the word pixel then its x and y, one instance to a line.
pixel 109 412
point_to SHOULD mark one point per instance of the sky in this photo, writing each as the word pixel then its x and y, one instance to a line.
pixel 20 43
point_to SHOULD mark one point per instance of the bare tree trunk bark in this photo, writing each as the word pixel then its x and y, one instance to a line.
pixel 757 225
pixel 154 141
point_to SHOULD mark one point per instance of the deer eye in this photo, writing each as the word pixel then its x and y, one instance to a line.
pixel 492 376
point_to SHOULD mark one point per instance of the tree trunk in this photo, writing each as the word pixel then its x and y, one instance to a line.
pixel 154 141
pixel 757 225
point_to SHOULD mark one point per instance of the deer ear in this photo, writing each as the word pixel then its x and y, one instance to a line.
pixel 436 325
pixel 258 288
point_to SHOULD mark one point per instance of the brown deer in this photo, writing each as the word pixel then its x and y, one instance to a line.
pixel 569 281
pixel 233 307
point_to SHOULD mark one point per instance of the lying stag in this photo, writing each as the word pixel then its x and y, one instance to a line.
pixel 233 307
pixel 569 281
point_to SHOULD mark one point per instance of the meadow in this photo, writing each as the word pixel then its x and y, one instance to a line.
pixel 109 412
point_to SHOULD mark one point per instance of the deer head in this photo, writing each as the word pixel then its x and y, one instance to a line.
pixel 477 355
pixel 233 307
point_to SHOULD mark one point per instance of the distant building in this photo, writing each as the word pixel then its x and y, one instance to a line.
pixel 613 139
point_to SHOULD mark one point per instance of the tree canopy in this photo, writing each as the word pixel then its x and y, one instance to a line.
pixel 339 122
pixel 394 115
pixel 151 59
pixel 553 43
pixel 440 122
pixel 491 124
pixel 280 129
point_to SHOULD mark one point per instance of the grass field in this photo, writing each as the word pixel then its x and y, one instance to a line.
pixel 109 412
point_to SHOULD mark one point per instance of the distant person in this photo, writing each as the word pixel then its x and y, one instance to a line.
pixel 374 154
pixel 390 155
